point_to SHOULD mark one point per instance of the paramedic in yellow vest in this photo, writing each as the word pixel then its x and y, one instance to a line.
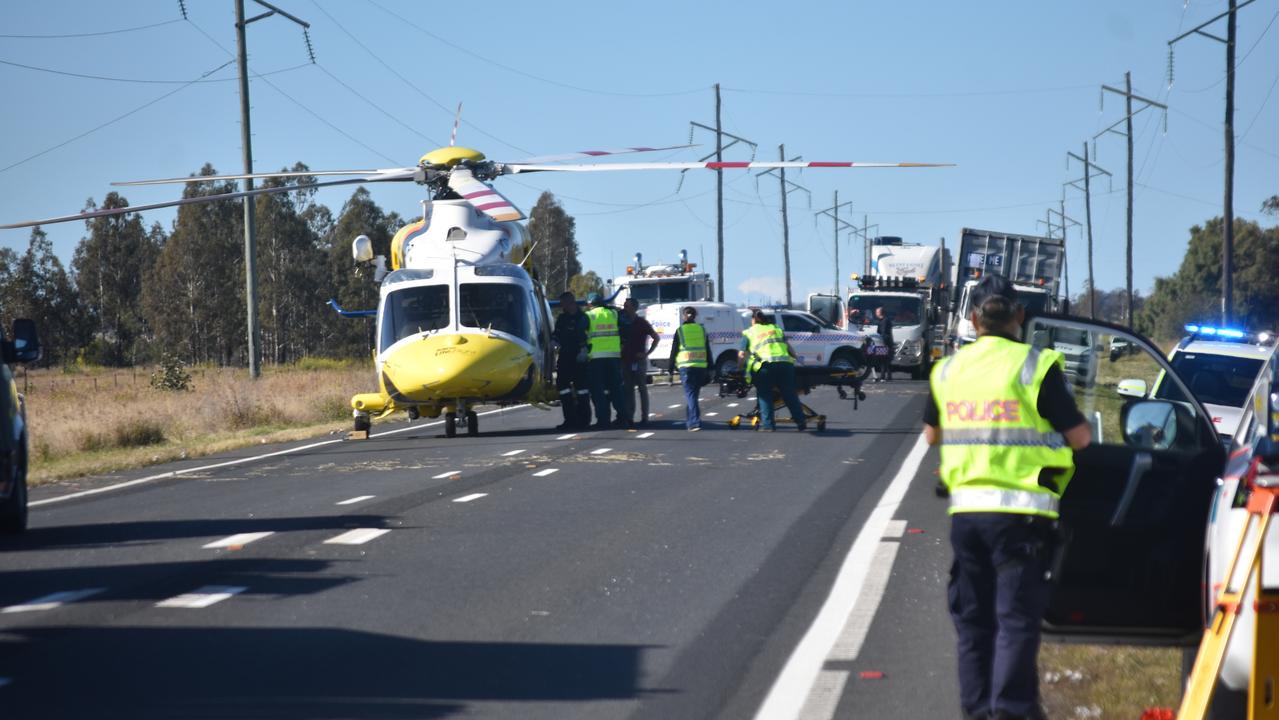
pixel 1008 428
pixel 604 361
pixel 690 354
pixel 770 362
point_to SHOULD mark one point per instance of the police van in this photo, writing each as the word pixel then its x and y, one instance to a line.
pixel 23 347
pixel 723 323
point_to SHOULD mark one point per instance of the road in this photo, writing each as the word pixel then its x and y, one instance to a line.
pixel 521 573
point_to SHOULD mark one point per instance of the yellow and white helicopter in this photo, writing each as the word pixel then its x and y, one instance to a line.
pixel 458 324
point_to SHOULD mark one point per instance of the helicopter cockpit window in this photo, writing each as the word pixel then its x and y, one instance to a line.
pixel 414 310
pixel 498 306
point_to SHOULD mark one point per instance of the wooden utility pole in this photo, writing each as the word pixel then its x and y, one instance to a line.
pixel 1127 120
pixel 833 211
pixel 1228 204
pixel 719 200
pixel 246 140
pixel 1089 167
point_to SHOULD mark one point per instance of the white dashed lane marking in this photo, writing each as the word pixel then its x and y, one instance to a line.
pixel 672 407
pixel 355 500
pixel 202 597
pixel 448 474
pixel 358 536
pixel 710 414
pixel 601 451
pixel 569 436
pixel 239 539
pixel 732 405
pixel 641 436
pixel 468 498
pixel 55 600
pixel 512 453
pixel 547 471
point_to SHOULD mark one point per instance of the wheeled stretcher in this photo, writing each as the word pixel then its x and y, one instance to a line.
pixel 738 383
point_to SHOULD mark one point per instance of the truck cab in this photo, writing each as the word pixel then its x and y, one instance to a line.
pixel 909 310
pixel 23 346
pixel 662 283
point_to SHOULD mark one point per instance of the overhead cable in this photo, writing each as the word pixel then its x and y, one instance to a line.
pixel 138 80
pixel 89 34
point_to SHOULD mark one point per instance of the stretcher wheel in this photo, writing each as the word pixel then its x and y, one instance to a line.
pixel 735 422
pixel 821 423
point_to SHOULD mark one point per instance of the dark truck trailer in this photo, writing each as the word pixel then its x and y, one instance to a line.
pixel 1033 264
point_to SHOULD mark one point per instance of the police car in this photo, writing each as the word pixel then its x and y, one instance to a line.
pixel 24 347
pixel 1220 365
pixel 1254 457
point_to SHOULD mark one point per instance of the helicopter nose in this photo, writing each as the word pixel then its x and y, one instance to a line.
pixel 442 367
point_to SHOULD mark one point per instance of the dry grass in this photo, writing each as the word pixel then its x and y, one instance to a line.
pixel 1106 681
pixel 100 420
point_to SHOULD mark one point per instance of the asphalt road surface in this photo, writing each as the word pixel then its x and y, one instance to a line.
pixel 522 573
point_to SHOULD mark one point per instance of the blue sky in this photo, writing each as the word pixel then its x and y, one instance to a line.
pixel 1003 89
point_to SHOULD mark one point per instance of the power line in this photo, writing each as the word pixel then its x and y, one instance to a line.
pixel 525 73
pixel 872 95
pixel 112 121
pixel 90 34
pixel 137 80
pixel 377 107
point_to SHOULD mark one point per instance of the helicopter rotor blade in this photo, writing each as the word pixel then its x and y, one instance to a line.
pixel 482 196
pixel 515 168
pixel 175 203
pixel 379 175
pixel 594 153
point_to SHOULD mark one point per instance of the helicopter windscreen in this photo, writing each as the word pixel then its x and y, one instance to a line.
pixel 414 310
pixel 498 306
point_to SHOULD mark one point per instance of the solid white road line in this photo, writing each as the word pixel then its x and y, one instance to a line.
pixel 642 436
pixel 355 500
pixel 601 451
pixel 202 597
pixel 239 539
pixel 547 471
pixel 791 690
pixel 358 536
pixel 448 474
pixel 240 461
pixel 569 436
pixel 54 600
pixel 512 453
pixel 468 498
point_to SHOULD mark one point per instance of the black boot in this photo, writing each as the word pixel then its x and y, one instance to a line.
pixel 583 412
pixel 569 406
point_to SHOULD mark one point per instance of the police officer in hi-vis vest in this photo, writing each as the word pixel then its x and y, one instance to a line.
pixel 690 354
pixel 604 364
pixel 1007 426
pixel 770 362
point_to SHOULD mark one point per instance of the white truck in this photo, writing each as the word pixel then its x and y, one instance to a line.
pixel 908 281
pixel 1033 264
pixel 661 283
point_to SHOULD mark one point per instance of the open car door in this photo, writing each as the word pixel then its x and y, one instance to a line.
pixel 1130 564
pixel 829 308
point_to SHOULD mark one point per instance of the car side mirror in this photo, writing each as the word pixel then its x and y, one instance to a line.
pixel 1150 424
pixel 1131 388
pixel 25 346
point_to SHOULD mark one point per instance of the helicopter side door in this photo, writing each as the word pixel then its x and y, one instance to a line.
pixel 544 327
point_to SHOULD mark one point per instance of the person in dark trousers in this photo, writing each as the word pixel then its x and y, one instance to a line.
pixel 1008 427
pixel 636 331
pixel 690 354
pixel 570 366
pixel 884 326
pixel 604 361
pixel 770 362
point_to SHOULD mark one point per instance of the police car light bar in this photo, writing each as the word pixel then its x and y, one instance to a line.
pixel 1210 331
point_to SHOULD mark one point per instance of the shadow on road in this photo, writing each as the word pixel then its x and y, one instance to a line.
pixel 150 672
pixel 149 531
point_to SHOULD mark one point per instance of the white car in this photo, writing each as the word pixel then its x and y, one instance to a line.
pixel 1220 367
pixel 1252 439
pixel 817 342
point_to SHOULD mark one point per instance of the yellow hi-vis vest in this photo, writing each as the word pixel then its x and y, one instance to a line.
pixel 767 344
pixel 601 334
pixel 994 443
pixel 693 351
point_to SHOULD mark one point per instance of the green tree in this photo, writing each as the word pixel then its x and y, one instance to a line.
pixel 552 240
pixel 108 264
pixel 36 286
pixel 1193 293
pixel 290 269
pixel 584 284
pixel 354 288
pixel 1111 304
pixel 193 297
